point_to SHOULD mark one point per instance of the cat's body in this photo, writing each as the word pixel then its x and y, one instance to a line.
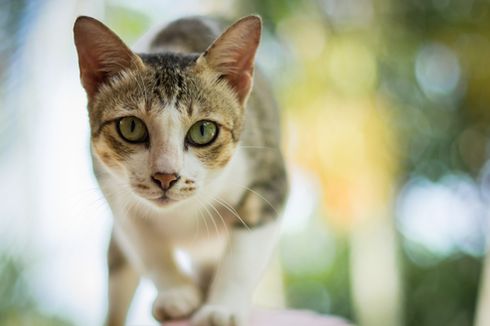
pixel 216 201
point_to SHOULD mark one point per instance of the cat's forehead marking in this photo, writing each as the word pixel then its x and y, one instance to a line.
pixel 169 88
pixel 190 108
pixel 171 80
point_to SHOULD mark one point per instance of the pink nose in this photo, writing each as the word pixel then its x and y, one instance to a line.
pixel 165 180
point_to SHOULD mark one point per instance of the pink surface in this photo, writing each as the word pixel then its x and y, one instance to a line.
pixel 284 318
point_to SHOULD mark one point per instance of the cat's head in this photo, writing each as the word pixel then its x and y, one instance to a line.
pixel 165 126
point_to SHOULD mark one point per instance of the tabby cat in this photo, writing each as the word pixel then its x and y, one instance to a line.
pixel 188 158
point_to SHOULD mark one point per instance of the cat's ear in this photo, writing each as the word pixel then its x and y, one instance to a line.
pixel 232 54
pixel 101 53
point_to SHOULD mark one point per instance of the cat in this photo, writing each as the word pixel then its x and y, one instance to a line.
pixel 187 156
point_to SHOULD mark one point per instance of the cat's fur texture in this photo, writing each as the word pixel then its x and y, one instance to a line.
pixel 218 203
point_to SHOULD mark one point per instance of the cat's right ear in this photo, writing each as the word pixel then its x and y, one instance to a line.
pixel 101 53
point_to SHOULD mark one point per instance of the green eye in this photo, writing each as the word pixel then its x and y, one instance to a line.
pixel 132 129
pixel 202 133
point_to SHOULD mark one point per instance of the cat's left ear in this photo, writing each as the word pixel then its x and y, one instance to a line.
pixel 232 55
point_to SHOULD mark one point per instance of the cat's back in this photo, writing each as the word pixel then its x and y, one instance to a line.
pixel 185 35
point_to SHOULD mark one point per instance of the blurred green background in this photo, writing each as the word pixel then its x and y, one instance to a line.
pixel 386 126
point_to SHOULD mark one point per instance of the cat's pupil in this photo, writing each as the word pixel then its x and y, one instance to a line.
pixel 202 129
pixel 133 125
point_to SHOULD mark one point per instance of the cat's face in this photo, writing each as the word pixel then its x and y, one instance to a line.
pixel 145 133
pixel 165 126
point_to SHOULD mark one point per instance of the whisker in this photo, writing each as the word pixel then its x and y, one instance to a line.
pixel 198 224
pixel 204 218
pixel 212 219
pixel 259 195
pixel 196 232
pixel 220 216
pixel 208 232
pixel 233 211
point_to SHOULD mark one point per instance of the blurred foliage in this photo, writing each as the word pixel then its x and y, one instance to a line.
pixel 444 131
pixel 443 293
pixel 17 305
pixel 321 285
pixel 419 70
pixel 440 131
pixel 128 22
pixel 14 17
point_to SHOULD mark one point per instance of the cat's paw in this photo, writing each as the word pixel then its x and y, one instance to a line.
pixel 217 315
pixel 176 303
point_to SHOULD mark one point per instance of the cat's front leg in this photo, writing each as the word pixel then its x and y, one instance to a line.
pixel 237 276
pixel 176 302
pixel 153 256
pixel 178 295
pixel 123 280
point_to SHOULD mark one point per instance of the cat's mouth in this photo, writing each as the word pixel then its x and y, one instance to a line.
pixel 160 199
pixel 163 200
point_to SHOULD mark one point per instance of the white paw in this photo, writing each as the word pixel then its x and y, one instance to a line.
pixel 216 315
pixel 176 303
